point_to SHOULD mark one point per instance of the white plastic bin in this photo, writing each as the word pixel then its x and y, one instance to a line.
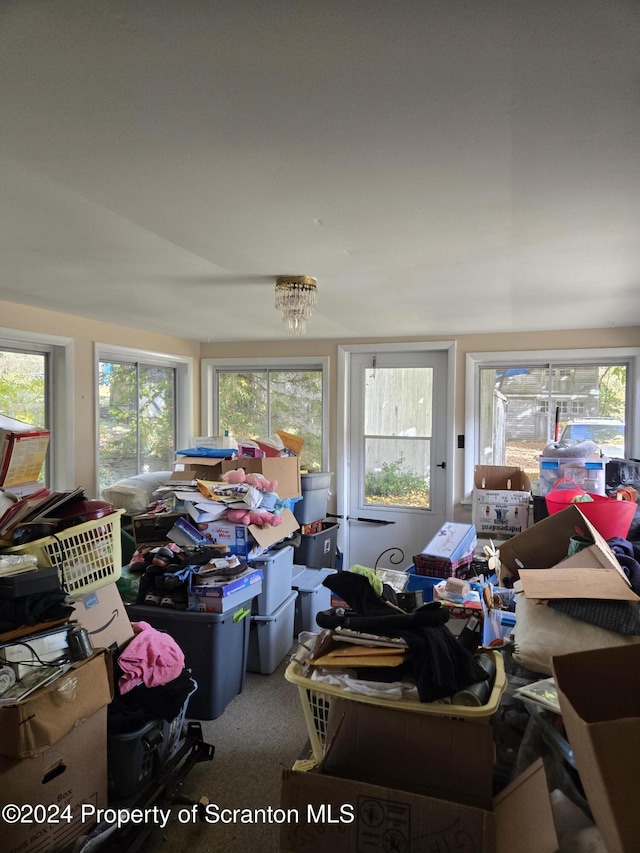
pixel 271 637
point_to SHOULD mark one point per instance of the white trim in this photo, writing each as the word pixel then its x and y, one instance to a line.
pixel 209 368
pixel 60 350
pixel 344 366
pixel 603 355
pixel 183 366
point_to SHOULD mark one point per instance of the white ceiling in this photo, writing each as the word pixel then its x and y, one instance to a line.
pixel 441 166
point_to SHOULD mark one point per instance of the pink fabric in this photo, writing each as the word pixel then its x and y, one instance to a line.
pixel 152 658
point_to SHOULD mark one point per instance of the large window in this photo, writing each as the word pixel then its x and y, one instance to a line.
pixel 517 403
pixel 34 389
pixel 253 400
pixel 138 414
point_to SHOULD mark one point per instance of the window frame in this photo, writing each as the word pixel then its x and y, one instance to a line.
pixel 212 367
pixel 183 365
pixel 556 359
pixel 59 398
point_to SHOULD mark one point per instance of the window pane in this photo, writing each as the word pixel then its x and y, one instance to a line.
pixel 296 407
pixel 137 420
pixel 397 472
pixel 518 411
pixel 242 404
pixel 157 418
pixel 22 386
pixel 23 389
pixel 254 404
pixel 397 441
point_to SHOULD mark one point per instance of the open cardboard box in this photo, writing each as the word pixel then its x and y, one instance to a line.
pixel 30 726
pixel 538 557
pixel 284 469
pixel 500 500
pixel 413 782
pixel 600 700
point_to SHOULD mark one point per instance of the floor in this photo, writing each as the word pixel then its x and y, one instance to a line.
pixel 261 732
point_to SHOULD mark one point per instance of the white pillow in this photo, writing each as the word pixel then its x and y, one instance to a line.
pixel 134 494
pixel 541 632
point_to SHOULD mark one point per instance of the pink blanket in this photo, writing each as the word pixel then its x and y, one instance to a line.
pixel 152 658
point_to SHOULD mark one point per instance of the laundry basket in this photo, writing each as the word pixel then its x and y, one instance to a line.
pixel 87 556
pixel 316 700
pixel 609 516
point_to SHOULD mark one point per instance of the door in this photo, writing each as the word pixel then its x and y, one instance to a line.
pixel 396 475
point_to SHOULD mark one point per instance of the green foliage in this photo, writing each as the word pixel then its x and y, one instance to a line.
pixel 395 479
pixel 255 404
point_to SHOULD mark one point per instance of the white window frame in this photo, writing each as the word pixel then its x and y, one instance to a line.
pixel 212 367
pixel 475 361
pixel 59 398
pixel 183 365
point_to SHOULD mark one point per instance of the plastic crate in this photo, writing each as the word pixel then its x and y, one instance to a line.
pixel 87 556
pixel 134 758
pixel 316 699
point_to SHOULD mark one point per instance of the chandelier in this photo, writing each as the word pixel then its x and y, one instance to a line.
pixel 296 297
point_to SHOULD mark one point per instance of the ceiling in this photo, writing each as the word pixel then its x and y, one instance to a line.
pixel 440 166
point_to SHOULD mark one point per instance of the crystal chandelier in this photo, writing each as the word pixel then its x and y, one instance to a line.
pixel 296 297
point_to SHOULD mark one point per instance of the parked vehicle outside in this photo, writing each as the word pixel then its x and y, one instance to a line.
pixel 608 434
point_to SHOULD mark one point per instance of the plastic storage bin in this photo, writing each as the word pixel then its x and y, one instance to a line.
pixel 134 758
pixel 312 597
pixel 589 474
pixel 271 637
pixel 87 556
pixel 318 550
pixel 315 497
pixel 215 647
pixel 277 570
pixel 316 698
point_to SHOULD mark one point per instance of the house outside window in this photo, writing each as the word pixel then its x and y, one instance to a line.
pixel 515 397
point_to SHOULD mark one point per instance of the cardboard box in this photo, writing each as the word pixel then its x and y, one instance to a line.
pixel 347 816
pixel 58 781
pixel 104 615
pixel 151 528
pixel 599 698
pixel 451 547
pixel 222 597
pixel 500 501
pixel 241 537
pixel 186 469
pixel 284 469
pixel 23 448
pixel 593 572
pixel 443 757
pixel 32 725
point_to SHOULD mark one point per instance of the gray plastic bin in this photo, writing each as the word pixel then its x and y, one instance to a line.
pixel 271 637
pixel 315 497
pixel 277 570
pixel 312 597
pixel 215 647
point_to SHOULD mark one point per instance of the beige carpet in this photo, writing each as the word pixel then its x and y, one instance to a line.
pixel 261 732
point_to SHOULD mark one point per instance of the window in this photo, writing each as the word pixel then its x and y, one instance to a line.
pixel 513 398
pixel 143 406
pixel 253 400
pixel 34 389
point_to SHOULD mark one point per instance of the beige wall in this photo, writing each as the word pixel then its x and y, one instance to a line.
pixel 86 332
